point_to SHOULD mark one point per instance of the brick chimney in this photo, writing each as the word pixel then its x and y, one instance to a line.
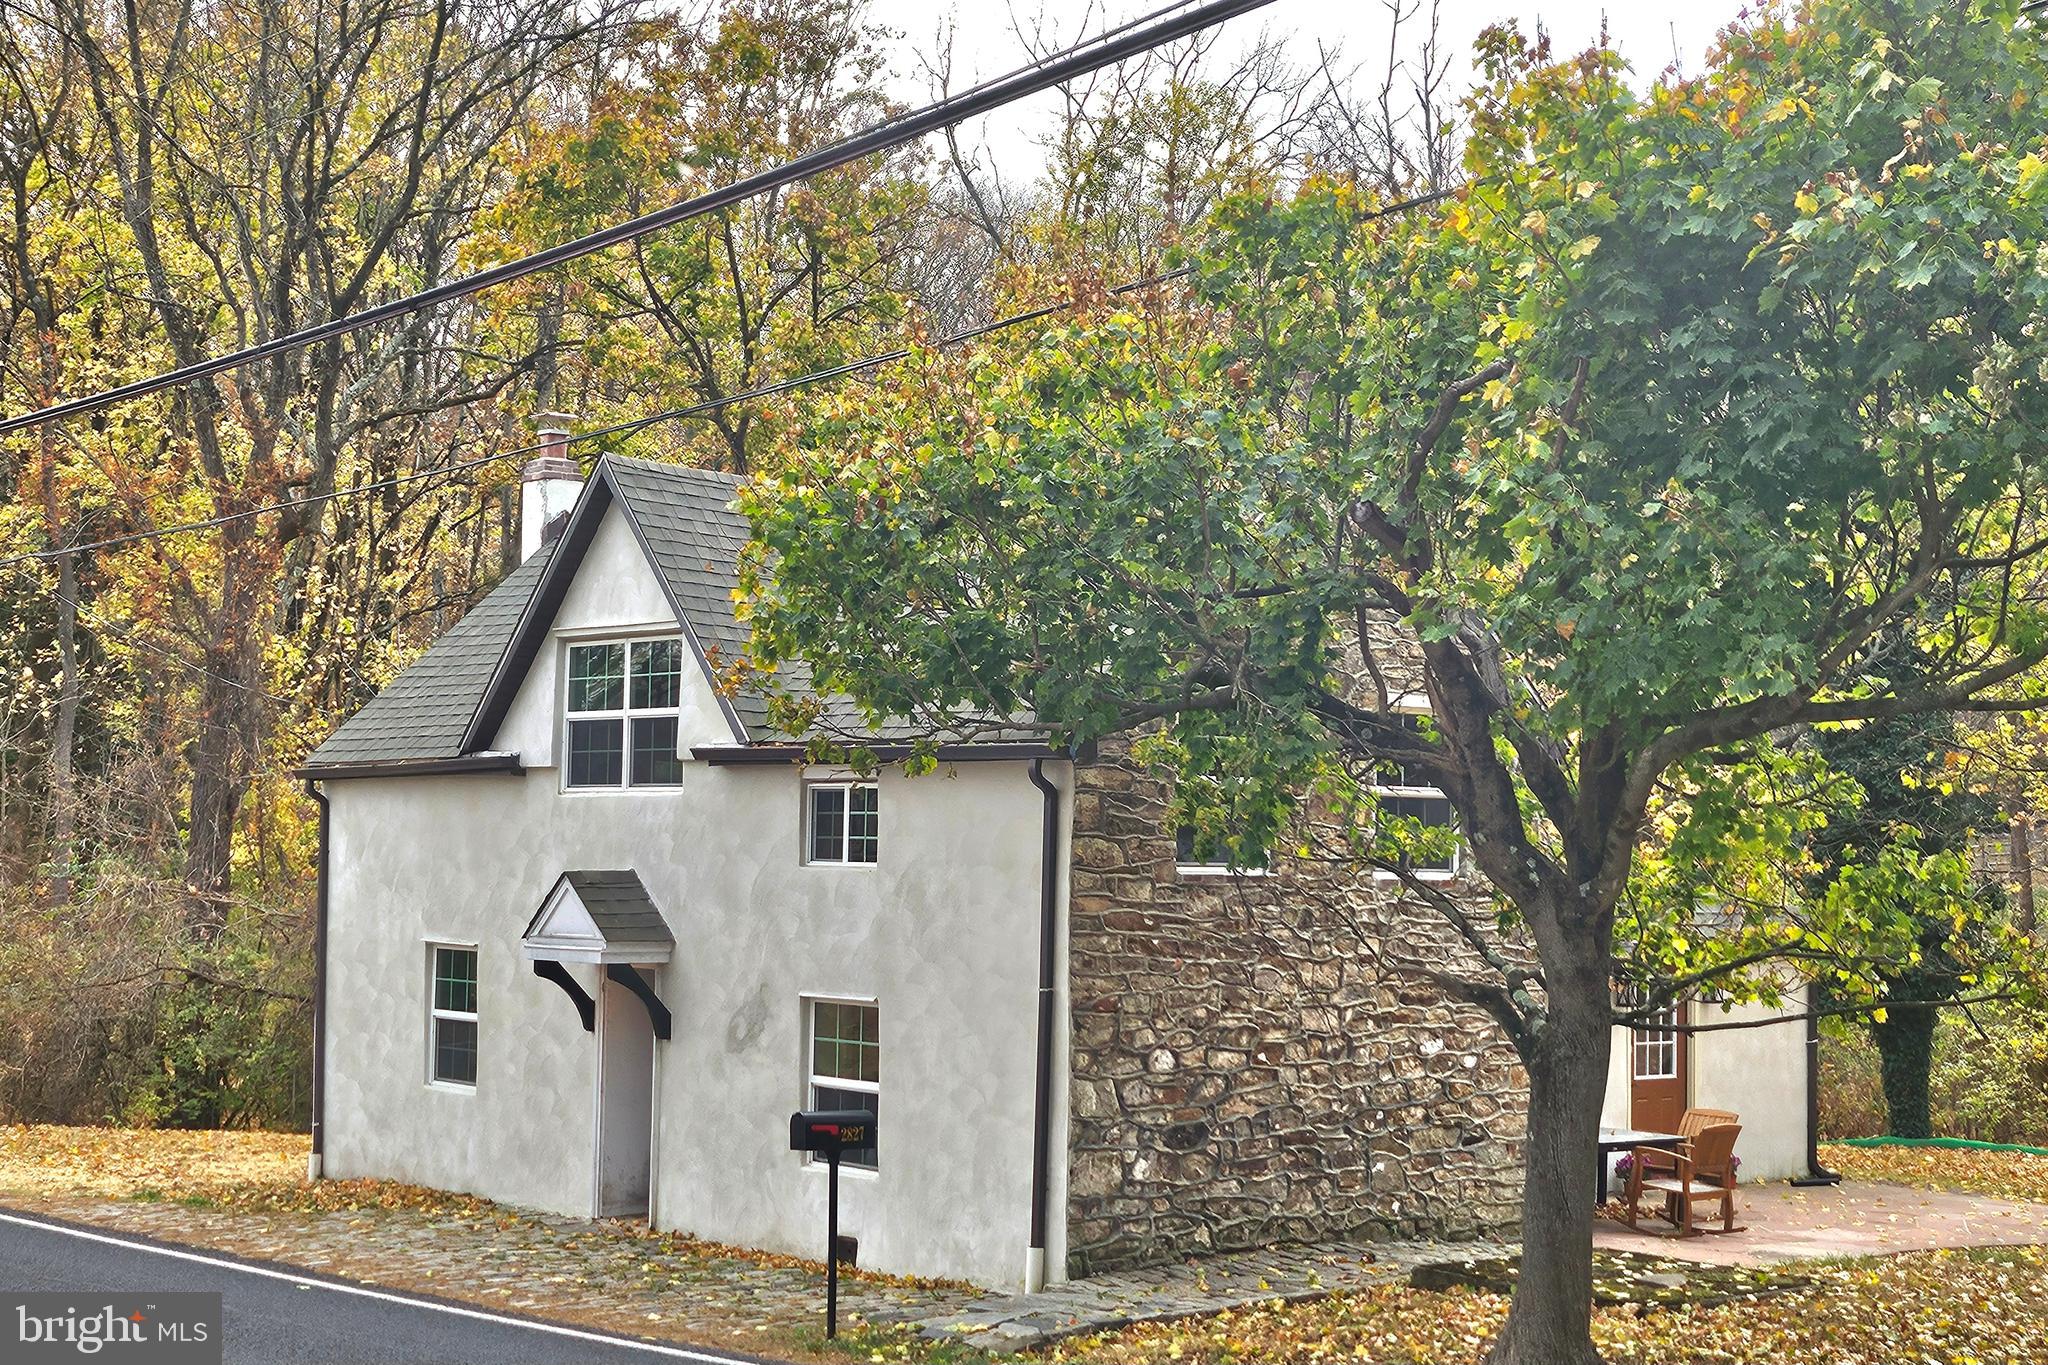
pixel 548 486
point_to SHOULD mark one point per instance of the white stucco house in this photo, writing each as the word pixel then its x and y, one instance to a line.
pixel 589 933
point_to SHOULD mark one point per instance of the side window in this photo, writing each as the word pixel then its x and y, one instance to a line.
pixel 622 713
pixel 1198 855
pixel 1406 794
pixel 844 821
pixel 451 1016
pixel 846 1062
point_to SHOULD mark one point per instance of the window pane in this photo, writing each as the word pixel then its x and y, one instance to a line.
pixel 828 824
pixel 826 1097
pixel 597 677
pixel 1392 772
pixel 864 825
pixel 455 980
pixel 595 757
pixel 455 1051
pixel 1431 812
pixel 1192 848
pixel 654 752
pixel 657 673
pixel 846 1042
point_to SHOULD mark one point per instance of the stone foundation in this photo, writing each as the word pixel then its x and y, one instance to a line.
pixel 1245 1069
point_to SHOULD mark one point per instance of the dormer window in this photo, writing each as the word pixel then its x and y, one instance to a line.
pixel 622 713
pixel 1405 793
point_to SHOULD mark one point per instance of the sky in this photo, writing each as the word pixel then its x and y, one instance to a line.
pixel 1647 32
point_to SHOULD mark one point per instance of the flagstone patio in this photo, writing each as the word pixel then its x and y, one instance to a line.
pixel 1783 1223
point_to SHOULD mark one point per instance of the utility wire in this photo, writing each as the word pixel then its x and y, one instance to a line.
pixel 1078 60
pixel 636 424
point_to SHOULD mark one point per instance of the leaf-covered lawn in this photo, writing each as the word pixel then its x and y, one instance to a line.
pixel 2011 1175
pixel 221 1169
pixel 1955 1308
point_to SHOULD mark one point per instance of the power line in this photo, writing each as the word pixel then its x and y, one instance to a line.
pixel 636 424
pixel 1078 60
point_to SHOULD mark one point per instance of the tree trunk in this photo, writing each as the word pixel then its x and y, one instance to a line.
pixel 63 852
pixel 1551 1320
pixel 2022 847
pixel 223 750
pixel 1905 1049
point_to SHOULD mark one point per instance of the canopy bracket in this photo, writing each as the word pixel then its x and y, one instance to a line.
pixel 548 969
pixel 657 1013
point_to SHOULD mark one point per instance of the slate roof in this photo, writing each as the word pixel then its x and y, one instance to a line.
pixel 618 904
pixel 423 712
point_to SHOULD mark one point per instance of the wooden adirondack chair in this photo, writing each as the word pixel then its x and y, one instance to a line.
pixel 1705 1170
pixel 1689 1127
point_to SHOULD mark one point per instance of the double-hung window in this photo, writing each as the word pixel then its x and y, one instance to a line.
pixel 451 1016
pixel 844 822
pixel 846 1063
pixel 1405 793
pixel 622 713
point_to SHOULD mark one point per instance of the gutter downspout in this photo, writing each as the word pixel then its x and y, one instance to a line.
pixel 314 1161
pixel 1816 1174
pixel 1041 1117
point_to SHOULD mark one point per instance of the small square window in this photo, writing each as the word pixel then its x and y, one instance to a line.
pixel 1432 813
pixel 845 822
pixel 1194 851
pixel 452 1016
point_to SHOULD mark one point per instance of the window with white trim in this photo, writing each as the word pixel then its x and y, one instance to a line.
pixel 451 1015
pixel 1196 853
pixel 846 1062
pixel 1404 792
pixel 843 823
pixel 622 713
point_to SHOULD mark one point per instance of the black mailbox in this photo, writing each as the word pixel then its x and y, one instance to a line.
pixel 831 1132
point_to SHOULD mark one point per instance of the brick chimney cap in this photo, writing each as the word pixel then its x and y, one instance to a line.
pixel 551 423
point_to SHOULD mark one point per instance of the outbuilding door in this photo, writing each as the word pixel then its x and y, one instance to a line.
pixel 1657 1064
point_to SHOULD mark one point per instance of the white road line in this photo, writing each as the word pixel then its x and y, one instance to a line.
pixel 381 1296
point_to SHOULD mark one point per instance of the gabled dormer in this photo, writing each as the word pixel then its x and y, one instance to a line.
pixel 598 656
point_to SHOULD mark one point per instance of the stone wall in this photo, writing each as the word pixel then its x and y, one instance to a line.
pixel 1246 1070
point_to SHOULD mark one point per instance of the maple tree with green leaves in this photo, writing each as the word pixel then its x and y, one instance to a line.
pixel 1654 444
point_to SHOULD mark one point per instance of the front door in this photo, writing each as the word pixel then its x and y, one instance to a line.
pixel 1657 1065
pixel 625 1103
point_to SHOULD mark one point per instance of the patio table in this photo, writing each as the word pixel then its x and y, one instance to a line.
pixel 1626 1139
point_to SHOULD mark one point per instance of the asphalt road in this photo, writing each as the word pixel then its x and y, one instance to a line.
pixel 274 1315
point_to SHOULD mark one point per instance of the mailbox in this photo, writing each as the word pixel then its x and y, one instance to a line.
pixel 831 1132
